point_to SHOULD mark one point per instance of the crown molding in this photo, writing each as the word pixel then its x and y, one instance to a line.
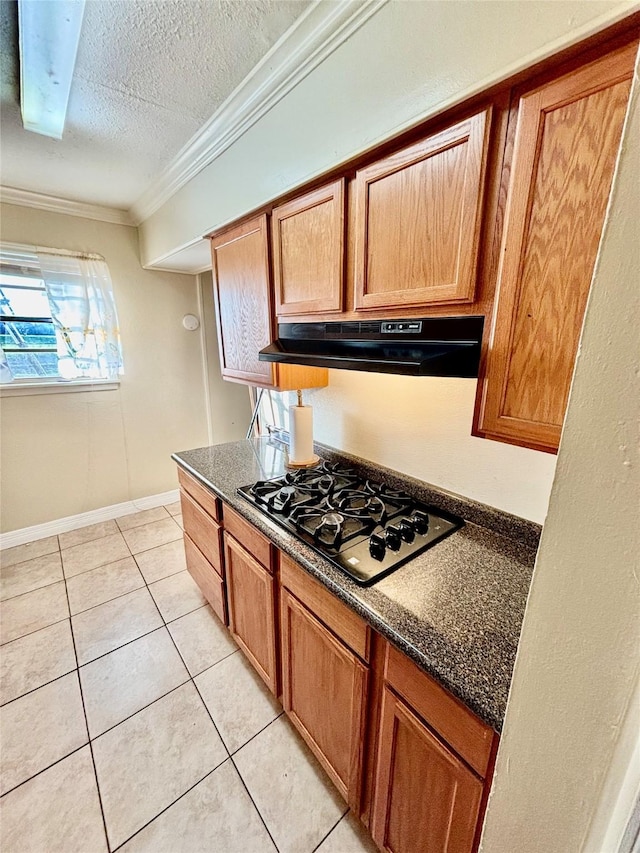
pixel 26 198
pixel 308 42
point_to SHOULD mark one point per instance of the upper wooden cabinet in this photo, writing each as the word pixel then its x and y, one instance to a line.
pixel 244 311
pixel 566 143
pixel 308 252
pixel 418 215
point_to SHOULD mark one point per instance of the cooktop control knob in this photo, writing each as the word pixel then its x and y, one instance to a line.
pixel 420 521
pixel 407 530
pixel 377 546
pixel 393 538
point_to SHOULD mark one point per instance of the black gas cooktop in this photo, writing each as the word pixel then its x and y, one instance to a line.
pixel 365 528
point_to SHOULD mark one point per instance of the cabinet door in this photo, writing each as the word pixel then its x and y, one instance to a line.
pixel 566 145
pixel 324 691
pixel 210 582
pixel 251 600
pixel 308 252
pixel 240 264
pixel 418 220
pixel 426 800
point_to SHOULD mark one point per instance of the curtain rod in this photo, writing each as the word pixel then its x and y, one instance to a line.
pixel 45 250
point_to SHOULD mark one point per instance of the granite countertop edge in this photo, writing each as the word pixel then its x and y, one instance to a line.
pixel 487 707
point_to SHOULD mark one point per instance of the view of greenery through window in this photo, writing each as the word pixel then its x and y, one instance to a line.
pixel 27 334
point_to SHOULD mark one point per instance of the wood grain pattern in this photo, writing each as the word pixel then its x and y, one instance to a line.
pixel 250 538
pixel 566 147
pixel 294 377
pixel 452 720
pixel 426 799
pixel 308 251
pixel 346 624
pixel 418 215
pixel 324 692
pixel 201 495
pixel 204 531
pixel 209 581
pixel 252 610
pixel 240 265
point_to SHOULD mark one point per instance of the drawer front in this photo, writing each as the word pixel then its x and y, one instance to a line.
pixel 203 531
pixel 348 626
pixel 455 723
pixel 210 583
pixel 201 495
pixel 246 534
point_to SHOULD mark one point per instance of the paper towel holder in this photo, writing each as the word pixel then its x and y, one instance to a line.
pixel 309 463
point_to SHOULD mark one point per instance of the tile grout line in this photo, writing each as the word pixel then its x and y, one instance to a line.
pixel 44 769
pixel 324 838
pixel 86 722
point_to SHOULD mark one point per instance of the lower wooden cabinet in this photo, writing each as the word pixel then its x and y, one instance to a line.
pixel 324 692
pixel 252 607
pixel 210 582
pixel 426 799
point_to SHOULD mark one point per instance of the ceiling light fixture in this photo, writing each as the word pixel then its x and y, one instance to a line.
pixel 49 32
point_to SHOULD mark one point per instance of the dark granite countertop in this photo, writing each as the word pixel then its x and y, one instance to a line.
pixel 456 609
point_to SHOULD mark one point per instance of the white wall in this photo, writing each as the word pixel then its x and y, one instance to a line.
pixel 63 454
pixel 409 61
pixel 577 662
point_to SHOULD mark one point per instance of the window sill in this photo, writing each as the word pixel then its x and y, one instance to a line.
pixel 22 389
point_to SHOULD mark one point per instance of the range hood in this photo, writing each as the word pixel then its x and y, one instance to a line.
pixel 430 346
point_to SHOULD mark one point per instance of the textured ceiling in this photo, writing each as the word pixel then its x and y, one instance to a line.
pixel 149 74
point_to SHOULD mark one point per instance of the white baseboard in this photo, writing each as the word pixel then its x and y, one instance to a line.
pixel 73 522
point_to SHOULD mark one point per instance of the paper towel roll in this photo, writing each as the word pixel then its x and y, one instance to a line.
pixel 301 431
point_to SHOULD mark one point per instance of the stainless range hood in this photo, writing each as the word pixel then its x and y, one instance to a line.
pixel 430 346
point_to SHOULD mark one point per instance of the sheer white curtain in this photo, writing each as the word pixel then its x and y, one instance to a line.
pixel 84 316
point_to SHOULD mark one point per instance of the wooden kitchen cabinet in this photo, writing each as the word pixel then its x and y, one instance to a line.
pixel 418 216
pixel 308 252
pixel 251 592
pixel 244 310
pixel 566 144
pixel 317 662
pixel 433 765
pixel 201 512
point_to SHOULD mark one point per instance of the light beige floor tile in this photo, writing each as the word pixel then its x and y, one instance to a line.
pixel 40 728
pixel 174 508
pixel 178 520
pixel 108 626
pixel 90 555
pixel 171 745
pixel 237 699
pixel 216 814
pixel 99 585
pixel 34 660
pixel 202 639
pixel 137 519
pixel 349 836
pixel 87 534
pixel 10 556
pixel 56 812
pixel 30 575
pixel 176 595
pixel 32 611
pixel 296 800
pixel 158 563
pixel 119 684
pixel 151 535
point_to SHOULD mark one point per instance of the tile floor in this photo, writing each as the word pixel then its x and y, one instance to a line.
pixel 130 721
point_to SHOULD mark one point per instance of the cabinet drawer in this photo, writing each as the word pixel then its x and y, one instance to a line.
pixel 201 495
pixel 351 629
pixel 459 726
pixel 256 544
pixel 204 532
pixel 210 583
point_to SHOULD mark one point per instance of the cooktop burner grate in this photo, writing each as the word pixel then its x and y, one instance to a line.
pixel 366 529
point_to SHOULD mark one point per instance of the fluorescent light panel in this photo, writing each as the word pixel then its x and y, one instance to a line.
pixel 49 35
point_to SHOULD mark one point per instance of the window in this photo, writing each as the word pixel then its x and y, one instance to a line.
pixel 58 321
